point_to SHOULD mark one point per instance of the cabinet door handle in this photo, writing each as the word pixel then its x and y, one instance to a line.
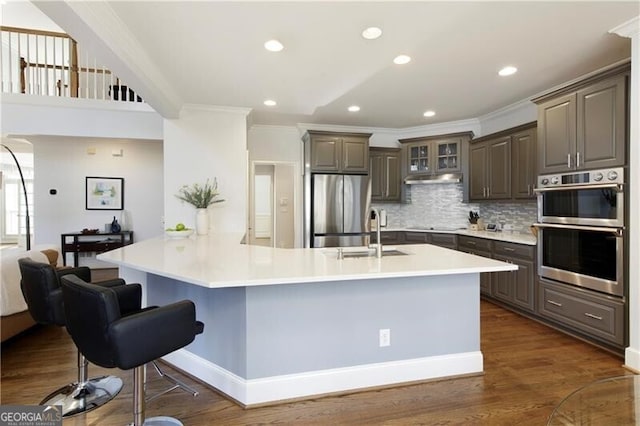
pixel 528 189
pixel 568 161
pixel 471 243
pixel 552 302
pixel 577 159
pixel 509 249
pixel 587 314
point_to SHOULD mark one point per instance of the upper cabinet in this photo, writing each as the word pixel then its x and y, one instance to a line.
pixel 490 169
pixel 337 152
pixel 502 166
pixel 434 154
pixel 523 163
pixel 384 170
pixel 584 126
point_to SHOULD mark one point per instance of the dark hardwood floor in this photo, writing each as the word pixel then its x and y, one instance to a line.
pixel 529 368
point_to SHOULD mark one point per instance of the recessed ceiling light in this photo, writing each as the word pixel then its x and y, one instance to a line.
pixel 507 71
pixel 270 102
pixel 429 113
pixel 402 59
pixel 372 33
pixel 354 108
pixel 273 46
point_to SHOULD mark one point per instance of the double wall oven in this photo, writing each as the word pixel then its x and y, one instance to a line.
pixel 581 228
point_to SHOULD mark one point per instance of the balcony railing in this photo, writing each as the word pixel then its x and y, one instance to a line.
pixel 52 64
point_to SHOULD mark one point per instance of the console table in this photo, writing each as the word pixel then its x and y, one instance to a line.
pixel 78 242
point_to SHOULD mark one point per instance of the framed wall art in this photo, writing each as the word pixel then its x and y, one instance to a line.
pixel 104 193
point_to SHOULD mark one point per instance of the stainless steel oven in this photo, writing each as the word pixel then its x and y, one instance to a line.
pixel 594 198
pixel 581 229
pixel 585 256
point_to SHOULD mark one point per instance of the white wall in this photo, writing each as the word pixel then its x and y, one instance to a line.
pixel 62 163
pixel 207 143
pixel 284 206
pixel 50 115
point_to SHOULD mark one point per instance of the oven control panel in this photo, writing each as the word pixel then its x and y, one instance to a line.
pixel 591 177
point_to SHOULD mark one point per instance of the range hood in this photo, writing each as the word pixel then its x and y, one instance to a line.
pixel 431 178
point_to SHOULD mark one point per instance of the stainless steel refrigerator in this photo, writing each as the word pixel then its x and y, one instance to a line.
pixel 339 210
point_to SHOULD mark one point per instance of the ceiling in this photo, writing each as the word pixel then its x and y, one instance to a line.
pixel 212 53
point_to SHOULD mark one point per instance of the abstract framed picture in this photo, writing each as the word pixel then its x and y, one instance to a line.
pixel 104 193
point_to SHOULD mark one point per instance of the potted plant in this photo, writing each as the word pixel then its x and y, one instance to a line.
pixel 201 197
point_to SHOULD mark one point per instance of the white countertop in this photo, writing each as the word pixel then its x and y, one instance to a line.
pixel 511 237
pixel 219 260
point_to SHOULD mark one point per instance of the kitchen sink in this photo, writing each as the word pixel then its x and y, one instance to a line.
pixel 352 254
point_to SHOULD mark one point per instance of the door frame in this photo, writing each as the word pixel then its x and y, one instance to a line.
pixel 295 204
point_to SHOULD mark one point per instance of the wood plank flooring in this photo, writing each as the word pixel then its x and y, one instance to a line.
pixel 529 368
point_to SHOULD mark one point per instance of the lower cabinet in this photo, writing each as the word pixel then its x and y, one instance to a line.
pixel 445 240
pixel 389 237
pixel 479 247
pixel 442 239
pixel 515 287
pixel 416 237
pixel 596 315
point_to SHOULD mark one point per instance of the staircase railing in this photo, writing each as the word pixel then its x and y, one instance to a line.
pixel 52 64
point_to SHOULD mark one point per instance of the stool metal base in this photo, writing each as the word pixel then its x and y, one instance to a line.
pixel 77 398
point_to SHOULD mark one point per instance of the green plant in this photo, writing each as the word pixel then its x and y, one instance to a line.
pixel 200 196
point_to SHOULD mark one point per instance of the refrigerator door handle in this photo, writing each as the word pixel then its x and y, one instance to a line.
pixel 347 203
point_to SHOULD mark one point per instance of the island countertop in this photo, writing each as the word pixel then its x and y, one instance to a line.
pixel 219 261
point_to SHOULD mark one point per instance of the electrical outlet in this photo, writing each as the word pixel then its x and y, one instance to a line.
pixel 385 337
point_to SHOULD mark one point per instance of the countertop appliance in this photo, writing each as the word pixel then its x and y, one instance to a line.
pixel 338 214
pixel 581 229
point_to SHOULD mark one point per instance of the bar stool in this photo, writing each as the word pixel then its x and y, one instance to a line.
pixel 40 285
pixel 110 339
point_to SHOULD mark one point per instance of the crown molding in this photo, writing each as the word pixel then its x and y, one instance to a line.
pixel 627 29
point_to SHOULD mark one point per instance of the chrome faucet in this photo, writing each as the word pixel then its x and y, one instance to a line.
pixel 378 245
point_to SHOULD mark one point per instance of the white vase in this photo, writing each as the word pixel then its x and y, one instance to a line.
pixel 202 221
pixel 124 220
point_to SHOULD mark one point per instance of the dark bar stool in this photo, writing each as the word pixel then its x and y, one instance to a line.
pixel 110 339
pixel 40 285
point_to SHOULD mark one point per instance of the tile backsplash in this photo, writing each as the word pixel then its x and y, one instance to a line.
pixel 440 206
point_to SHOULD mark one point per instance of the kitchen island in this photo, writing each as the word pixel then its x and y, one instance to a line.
pixel 296 323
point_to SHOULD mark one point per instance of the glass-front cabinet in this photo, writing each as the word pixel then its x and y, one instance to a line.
pixel 448 157
pixel 419 158
pixel 434 155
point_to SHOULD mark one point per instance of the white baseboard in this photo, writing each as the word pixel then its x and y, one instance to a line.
pixel 292 386
pixel 632 359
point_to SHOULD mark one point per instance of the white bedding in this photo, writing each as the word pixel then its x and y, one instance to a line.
pixel 11 300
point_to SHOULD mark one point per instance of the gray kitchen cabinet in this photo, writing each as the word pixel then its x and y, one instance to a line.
pixel 445 240
pixel 502 165
pixel 337 152
pixel 438 154
pixel 478 247
pixel 515 287
pixel 523 163
pixel 416 237
pixel 490 169
pixel 384 171
pixel 442 239
pixel 583 126
pixel 589 313
pixel 389 237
